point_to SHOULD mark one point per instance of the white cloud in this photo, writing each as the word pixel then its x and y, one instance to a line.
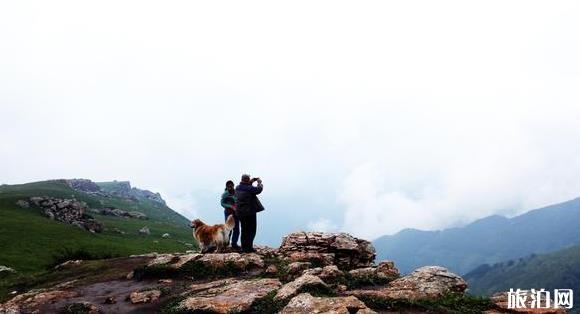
pixel 322 225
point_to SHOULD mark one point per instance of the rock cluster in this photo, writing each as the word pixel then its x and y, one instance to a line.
pixel 425 283
pixel 340 249
pixel 111 211
pixel 69 211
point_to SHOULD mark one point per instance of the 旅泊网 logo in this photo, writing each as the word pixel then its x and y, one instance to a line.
pixel 540 299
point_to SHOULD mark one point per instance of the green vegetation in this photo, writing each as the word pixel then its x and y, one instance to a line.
pixel 32 243
pixel 353 282
pixel 557 270
pixel 450 303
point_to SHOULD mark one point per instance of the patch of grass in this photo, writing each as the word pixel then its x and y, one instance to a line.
pixel 67 254
pixel 30 241
pixel 77 308
pixel 281 267
pixel 450 303
pixel 353 282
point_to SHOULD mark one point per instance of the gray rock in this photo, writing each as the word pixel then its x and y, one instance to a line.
pixel 22 204
pixel 144 231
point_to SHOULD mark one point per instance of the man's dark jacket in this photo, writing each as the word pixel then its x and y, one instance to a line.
pixel 246 199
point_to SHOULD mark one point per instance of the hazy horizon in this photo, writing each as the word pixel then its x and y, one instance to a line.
pixel 378 117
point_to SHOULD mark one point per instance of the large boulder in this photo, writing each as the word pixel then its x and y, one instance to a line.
pixel 301 284
pixel 425 283
pixel 340 249
pixel 201 266
pixel 227 296
pixel 307 304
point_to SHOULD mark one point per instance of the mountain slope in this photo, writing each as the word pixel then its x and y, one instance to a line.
pixel 557 270
pixel 486 241
pixel 31 242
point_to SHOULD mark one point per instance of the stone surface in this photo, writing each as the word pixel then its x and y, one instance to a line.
pixel 307 304
pixel 144 296
pixel 501 300
pixel 388 269
pixel 425 283
pixel 144 231
pixel 299 285
pixel 225 296
pixel 271 270
pixel 6 270
pixel 68 264
pixel 295 269
pixel 30 301
pixel 328 274
pixel 340 249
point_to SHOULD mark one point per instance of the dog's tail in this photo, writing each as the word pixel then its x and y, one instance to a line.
pixel 230 224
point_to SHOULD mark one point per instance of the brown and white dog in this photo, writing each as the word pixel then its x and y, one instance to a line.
pixel 217 236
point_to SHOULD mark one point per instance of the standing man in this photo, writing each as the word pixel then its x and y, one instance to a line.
pixel 229 205
pixel 248 205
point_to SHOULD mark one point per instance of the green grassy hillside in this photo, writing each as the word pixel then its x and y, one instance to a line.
pixel 31 242
pixel 557 270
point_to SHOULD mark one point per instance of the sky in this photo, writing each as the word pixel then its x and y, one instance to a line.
pixel 364 117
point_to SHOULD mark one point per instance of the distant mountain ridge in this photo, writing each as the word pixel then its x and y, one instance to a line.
pixel 556 270
pixel 485 241
pixel 114 188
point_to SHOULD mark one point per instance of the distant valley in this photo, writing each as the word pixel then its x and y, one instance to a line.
pixel 486 241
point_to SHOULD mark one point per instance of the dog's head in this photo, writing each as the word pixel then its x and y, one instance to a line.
pixel 196 223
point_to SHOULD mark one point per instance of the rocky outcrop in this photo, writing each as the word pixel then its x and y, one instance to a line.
pixel 307 304
pixel 268 281
pixel 69 211
pixel 111 211
pixel 227 296
pixel 29 302
pixel 121 189
pixel 340 249
pixel 83 185
pixel 5 271
pixel 425 283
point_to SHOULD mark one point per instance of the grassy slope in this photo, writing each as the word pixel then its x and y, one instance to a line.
pixel 560 269
pixel 29 241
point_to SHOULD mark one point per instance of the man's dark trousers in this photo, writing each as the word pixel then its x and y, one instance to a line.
pixel 236 232
pixel 248 232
